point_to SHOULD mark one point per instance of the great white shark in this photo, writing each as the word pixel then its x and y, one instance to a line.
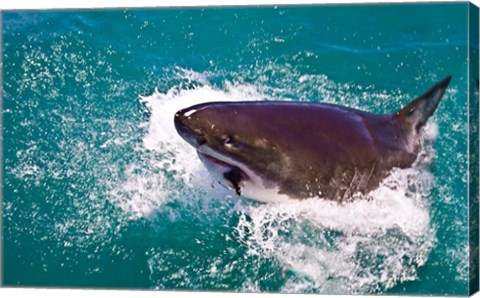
pixel 274 151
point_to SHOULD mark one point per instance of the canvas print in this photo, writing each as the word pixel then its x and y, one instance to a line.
pixel 329 149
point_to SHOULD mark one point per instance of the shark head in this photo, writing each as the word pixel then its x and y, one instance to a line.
pixel 231 145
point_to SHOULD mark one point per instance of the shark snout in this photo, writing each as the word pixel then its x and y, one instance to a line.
pixel 186 129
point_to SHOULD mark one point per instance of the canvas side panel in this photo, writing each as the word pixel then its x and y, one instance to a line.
pixel 473 146
pixel 1 149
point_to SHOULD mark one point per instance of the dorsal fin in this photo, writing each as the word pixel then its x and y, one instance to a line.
pixel 417 112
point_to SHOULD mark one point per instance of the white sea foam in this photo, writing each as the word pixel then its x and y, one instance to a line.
pixel 372 243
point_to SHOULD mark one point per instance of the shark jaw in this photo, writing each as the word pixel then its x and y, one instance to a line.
pixel 239 177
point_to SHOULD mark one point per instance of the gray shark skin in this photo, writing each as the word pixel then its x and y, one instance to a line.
pixel 271 151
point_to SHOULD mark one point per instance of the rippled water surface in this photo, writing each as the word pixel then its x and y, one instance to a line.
pixel 100 191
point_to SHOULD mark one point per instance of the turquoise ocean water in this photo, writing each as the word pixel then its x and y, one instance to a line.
pixel 99 191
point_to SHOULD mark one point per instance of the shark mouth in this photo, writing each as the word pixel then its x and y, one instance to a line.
pixel 244 180
pixel 234 176
pixel 224 167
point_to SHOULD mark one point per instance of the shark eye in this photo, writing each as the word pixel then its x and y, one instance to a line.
pixel 228 140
